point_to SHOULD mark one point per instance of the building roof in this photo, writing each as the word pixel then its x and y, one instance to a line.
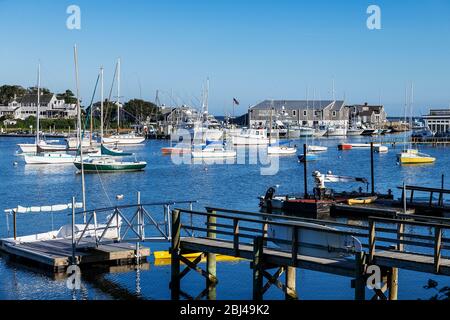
pixel 32 99
pixel 299 104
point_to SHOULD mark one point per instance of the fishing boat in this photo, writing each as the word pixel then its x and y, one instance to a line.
pixel 305 132
pixel 251 137
pixel 413 156
pixel 110 165
pixel 336 132
pixel 354 132
pixel 362 200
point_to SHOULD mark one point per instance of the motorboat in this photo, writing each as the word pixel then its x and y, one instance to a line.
pixel 251 137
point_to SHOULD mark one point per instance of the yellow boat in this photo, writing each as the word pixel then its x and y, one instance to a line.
pixel 163 257
pixel 413 156
pixel 366 200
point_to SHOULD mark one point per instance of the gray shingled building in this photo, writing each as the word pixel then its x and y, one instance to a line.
pixel 301 112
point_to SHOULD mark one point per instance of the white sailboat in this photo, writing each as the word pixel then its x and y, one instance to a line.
pixel 313 148
pixel 107 163
pixel 122 139
pixel 274 149
pixel 40 156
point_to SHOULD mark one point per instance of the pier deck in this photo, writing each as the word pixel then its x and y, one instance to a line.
pixel 57 254
pixel 390 244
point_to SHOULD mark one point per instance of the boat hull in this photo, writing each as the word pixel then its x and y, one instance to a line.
pixel 49 159
pixel 110 167
pixel 213 154
pixel 281 150
pixel 123 141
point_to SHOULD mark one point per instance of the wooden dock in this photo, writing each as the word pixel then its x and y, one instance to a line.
pixel 57 254
pixel 388 244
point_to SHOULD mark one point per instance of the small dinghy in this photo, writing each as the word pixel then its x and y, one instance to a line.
pixel 362 200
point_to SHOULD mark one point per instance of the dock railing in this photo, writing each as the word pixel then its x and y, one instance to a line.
pixel 243 228
pixel 431 245
pixel 130 223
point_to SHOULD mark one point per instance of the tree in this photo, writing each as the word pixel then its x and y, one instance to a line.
pixel 7 93
pixel 33 90
pixel 67 96
pixel 140 110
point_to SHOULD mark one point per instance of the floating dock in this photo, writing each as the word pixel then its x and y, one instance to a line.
pixel 56 255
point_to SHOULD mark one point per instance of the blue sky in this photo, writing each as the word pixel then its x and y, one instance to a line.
pixel 251 50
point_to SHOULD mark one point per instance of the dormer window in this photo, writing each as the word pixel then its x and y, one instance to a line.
pixel 334 113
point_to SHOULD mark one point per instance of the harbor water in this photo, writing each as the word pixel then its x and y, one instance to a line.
pixel 234 186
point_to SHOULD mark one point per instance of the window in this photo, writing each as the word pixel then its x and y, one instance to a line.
pixel 294 113
pixel 305 113
pixel 334 113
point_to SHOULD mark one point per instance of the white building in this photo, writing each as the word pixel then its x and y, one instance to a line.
pixel 50 107
pixel 438 120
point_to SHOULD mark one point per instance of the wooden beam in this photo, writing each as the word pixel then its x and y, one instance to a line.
pixel 437 248
pixel 211 260
pixel 175 255
pixel 360 283
pixel 258 248
pixel 393 284
pixel 291 284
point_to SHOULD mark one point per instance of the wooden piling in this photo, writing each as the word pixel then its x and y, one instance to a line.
pixel 360 283
pixel 372 168
pixel 175 251
pixel 15 224
pixel 393 284
pixel 291 281
pixel 258 247
pixel 305 170
pixel 211 263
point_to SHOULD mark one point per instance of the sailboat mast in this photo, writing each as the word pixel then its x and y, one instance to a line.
pixel 271 122
pixel 83 187
pixel 118 96
pixel 38 114
pixel 101 104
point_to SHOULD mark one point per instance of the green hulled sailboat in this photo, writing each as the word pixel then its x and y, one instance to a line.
pixel 110 165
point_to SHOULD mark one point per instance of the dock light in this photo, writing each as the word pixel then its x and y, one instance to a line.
pixel 119 197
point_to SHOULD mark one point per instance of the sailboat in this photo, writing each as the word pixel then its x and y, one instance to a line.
pixel 108 163
pixel 311 149
pixel 410 155
pixel 40 156
pixel 122 139
pixel 273 149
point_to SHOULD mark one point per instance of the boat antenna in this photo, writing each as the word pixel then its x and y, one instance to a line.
pixel 38 105
pixel 118 96
pixel 83 186
pixel 101 103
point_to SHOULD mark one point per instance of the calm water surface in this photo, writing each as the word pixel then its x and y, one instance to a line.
pixel 235 186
